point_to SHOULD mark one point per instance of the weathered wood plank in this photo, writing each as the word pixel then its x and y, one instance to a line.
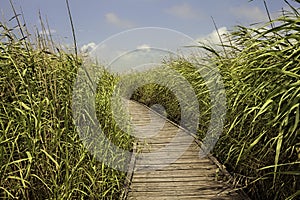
pixel 168 166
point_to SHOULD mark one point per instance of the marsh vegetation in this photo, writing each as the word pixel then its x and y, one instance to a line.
pixel 42 156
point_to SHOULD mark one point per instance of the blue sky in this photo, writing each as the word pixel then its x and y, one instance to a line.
pixel 96 20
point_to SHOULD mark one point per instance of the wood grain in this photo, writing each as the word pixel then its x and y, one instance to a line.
pixel 168 166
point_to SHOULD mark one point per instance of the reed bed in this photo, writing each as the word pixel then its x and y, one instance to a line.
pixel 260 144
pixel 43 157
pixel 41 153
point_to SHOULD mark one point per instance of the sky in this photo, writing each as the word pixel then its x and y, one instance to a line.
pixel 95 21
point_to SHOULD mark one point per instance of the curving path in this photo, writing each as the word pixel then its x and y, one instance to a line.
pixel 167 165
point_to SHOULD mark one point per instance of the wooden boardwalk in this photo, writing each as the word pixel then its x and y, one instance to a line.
pixel 167 163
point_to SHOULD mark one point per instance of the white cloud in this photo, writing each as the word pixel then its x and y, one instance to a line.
pixel 255 14
pixel 47 32
pixel 213 37
pixel 144 47
pixel 184 11
pixel 112 18
pixel 88 47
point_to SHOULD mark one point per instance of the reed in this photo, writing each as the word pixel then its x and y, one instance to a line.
pixel 41 153
pixel 261 74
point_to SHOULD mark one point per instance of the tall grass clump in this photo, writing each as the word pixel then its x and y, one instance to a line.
pixel 262 137
pixel 153 93
pixel 41 153
pixel 260 144
pixel 109 93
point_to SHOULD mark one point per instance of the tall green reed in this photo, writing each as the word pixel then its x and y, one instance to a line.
pixel 260 71
pixel 41 153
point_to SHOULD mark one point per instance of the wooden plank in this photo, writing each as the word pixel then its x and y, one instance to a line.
pixel 187 191
pixel 174 154
pixel 185 195
pixel 129 175
pixel 179 185
pixel 177 173
pixel 203 197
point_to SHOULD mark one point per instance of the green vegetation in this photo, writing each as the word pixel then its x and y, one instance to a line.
pixel 43 157
pixel 41 153
pixel 173 71
pixel 261 74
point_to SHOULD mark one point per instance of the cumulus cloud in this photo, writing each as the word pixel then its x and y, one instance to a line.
pixel 184 11
pixel 113 19
pixel 144 47
pixel 252 13
pixel 47 32
pixel 88 47
pixel 213 37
